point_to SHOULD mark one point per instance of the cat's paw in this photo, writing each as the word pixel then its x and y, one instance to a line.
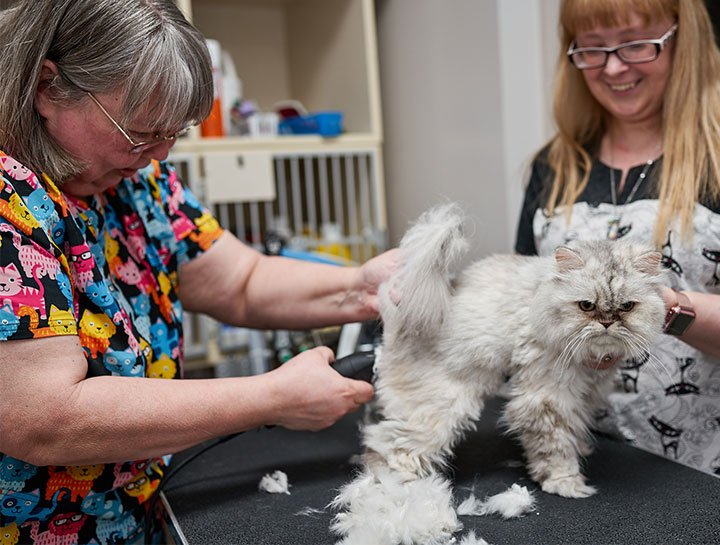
pixel 569 486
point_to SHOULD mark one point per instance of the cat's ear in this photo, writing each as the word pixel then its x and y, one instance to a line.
pixel 649 263
pixel 568 260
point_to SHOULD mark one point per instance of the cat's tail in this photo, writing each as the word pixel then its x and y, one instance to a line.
pixel 414 301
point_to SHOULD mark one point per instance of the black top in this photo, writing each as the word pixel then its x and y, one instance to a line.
pixel 642 498
pixel 596 191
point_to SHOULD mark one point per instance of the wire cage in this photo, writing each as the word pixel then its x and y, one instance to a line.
pixel 326 204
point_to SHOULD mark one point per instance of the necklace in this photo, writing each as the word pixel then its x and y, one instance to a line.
pixel 614 223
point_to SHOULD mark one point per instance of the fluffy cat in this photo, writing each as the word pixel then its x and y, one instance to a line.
pixel 557 326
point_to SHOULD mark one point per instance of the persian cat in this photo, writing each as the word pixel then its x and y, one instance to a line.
pixel 554 327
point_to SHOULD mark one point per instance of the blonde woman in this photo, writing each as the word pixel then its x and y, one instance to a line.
pixel 637 156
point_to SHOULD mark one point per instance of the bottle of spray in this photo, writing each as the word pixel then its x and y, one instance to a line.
pixel 214 124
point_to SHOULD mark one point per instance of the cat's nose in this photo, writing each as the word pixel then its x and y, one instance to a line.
pixel 607 324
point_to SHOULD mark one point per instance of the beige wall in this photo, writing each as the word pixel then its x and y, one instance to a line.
pixel 465 92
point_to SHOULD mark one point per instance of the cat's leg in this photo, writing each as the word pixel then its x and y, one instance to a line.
pixel 552 425
pixel 421 422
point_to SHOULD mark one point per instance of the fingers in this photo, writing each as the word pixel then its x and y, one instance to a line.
pixel 325 353
pixel 364 392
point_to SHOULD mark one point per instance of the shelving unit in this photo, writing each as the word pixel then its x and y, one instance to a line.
pixel 323 54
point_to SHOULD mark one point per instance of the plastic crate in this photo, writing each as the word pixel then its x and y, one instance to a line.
pixel 322 123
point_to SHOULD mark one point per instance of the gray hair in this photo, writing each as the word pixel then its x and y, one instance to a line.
pixel 145 49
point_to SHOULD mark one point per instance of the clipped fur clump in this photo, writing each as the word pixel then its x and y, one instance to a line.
pixel 512 503
pixel 380 508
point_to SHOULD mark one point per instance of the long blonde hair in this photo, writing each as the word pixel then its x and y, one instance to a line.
pixel 691 110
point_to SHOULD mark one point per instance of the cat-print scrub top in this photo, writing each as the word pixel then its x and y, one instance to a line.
pixel 105 270
pixel 672 406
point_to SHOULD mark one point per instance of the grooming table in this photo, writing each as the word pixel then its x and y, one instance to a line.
pixel 642 498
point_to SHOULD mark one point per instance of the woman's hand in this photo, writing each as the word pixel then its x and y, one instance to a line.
pixel 373 273
pixel 310 395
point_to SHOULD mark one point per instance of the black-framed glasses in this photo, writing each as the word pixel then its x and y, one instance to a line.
pixel 137 147
pixel 637 52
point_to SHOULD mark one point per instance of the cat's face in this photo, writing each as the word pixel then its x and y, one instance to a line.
pixel 85 473
pixel 10 280
pixel 67 523
pixel 19 504
pixel 605 303
pixel 14 469
pixel 9 534
pixel 97 325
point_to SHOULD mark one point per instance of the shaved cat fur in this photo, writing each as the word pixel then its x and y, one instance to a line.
pixel 556 325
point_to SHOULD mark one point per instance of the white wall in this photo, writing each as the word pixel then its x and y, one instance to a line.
pixel 465 93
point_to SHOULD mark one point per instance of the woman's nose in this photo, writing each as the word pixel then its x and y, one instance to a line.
pixel 614 65
pixel 161 150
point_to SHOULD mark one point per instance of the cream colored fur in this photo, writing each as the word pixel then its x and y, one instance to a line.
pixel 448 346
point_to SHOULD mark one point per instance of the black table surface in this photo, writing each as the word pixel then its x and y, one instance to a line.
pixel 642 498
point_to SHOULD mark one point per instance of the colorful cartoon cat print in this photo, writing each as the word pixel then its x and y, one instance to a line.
pixel 104 270
pixel 95 332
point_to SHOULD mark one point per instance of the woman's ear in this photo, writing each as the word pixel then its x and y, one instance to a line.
pixel 44 102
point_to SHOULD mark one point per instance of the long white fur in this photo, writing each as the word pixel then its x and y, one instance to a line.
pixel 447 347
pixel 380 508
pixel 275 483
pixel 512 503
pixel 472 539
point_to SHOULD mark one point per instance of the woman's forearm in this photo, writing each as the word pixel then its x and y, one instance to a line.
pixel 53 415
pixel 111 419
pixel 317 295
pixel 238 286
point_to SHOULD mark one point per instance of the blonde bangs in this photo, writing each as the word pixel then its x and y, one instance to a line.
pixel 578 16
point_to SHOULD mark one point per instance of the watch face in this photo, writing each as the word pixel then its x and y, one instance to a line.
pixel 679 323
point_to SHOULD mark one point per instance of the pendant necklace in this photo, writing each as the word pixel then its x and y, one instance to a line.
pixel 614 223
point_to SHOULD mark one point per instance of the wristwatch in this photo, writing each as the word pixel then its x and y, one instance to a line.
pixel 680 316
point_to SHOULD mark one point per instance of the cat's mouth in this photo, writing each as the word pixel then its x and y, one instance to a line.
pixel 603 362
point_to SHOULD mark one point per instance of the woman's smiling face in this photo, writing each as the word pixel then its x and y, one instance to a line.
pixel 629 92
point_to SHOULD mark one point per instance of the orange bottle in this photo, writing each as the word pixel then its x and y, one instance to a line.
pixel 213 125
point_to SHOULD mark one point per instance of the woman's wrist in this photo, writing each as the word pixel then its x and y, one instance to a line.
pixel 680 313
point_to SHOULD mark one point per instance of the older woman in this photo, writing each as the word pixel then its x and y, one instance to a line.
pixel 101 250
pixel 637 155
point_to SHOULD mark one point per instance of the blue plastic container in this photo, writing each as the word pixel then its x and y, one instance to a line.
pixel 323 123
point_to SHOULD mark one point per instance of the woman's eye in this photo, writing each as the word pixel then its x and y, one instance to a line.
pixel 627 307
pixel 586 306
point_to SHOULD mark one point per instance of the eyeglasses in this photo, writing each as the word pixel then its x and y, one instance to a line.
pixel 640 51
pixel 137 147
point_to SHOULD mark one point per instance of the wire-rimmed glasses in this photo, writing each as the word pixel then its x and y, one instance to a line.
pixel 137 147
pixel 637 52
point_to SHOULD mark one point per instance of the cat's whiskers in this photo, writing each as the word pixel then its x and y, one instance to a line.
pixel 571 349
pixel 561 363
pixel 642 346
pixel 654 362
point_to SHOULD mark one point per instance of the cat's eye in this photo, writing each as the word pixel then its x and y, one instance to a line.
pixel 586 306
pixel 627 307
